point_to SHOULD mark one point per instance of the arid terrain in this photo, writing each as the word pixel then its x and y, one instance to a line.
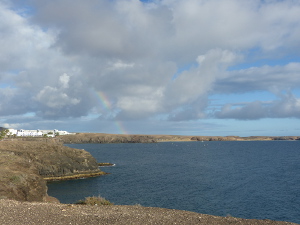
pixel 35 213
pixel 26 165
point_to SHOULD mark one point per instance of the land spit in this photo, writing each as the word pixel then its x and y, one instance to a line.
pixel 26 164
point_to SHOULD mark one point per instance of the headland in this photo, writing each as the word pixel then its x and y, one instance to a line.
pixel 126 138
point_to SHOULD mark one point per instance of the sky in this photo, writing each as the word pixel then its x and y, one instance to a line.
pixel 185 67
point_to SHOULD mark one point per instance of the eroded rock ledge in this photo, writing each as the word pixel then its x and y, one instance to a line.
pixel 26 165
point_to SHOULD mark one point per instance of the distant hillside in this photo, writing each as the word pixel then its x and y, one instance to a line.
pixel 127 138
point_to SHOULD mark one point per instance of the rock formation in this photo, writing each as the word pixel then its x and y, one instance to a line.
pixel 26 165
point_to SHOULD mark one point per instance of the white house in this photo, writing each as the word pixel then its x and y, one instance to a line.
pixel 36 133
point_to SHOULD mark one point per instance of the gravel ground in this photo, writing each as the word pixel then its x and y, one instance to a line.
pixel 25 213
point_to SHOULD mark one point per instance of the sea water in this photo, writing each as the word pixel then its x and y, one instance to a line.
pixel 248 179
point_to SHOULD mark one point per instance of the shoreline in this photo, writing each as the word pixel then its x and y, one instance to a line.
pixel 101 138
pixel 75 176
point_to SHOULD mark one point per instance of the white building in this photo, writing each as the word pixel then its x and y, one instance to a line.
pixel 36 133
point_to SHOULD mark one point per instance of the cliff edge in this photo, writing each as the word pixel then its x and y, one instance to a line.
pixel 26 165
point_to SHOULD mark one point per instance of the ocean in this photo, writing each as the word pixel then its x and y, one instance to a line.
pixel 247 179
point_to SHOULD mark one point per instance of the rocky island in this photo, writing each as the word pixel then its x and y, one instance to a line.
pixel 26 164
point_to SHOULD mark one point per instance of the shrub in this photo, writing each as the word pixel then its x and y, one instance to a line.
pixel 14 179
pixel 94 201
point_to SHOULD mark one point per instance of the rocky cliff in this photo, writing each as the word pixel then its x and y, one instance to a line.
pixel 26 165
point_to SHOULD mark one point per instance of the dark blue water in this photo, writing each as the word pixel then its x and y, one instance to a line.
pixel 258 180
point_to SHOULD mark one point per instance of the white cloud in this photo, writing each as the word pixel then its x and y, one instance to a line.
pixel 199 80
pixel 250 111
pixel 270 78
pixel 131 50
pixel 64 80
pixel 287 106
pixel 22 44
pixel 54 98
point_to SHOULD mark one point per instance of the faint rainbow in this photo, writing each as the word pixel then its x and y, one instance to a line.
pixel 120 126
pixel 106 104
pixel 103 100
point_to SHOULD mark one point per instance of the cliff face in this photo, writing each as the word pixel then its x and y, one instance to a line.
pixel 24 166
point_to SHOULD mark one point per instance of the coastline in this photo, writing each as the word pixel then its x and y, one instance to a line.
pixel 82 138
pixel 25 169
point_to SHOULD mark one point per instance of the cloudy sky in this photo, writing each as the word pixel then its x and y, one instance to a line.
pixel 189 67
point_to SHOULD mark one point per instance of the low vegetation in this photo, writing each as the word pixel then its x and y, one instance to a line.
pixel 3 133
pixel 94 201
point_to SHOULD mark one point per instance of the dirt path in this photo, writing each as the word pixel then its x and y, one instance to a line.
pixel 25 213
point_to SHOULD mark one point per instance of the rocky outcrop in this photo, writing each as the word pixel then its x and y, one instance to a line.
pixel 19 179
pixel 26 165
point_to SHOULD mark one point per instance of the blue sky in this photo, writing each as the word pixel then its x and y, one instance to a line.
pixel 190 67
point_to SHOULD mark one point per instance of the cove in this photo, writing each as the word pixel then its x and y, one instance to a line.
pixel 247 179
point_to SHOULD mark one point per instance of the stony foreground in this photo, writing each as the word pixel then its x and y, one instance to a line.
pixel 25 213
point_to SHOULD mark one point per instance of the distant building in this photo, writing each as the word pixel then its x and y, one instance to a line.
pixel 36 133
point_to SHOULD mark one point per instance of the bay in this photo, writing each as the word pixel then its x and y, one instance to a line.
pixel 248 179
